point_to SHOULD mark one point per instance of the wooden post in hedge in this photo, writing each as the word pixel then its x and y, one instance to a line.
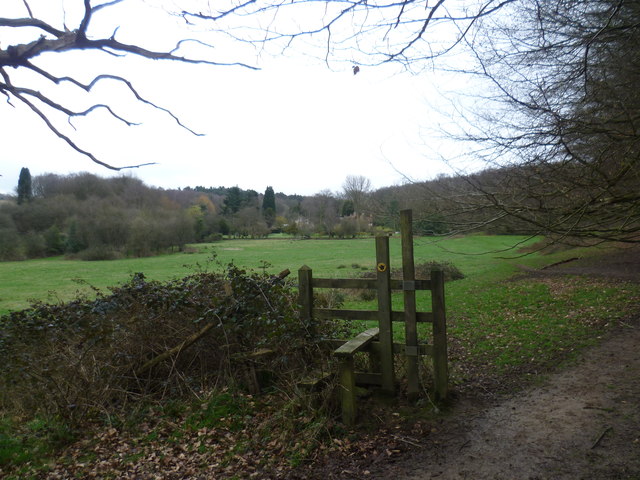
pixel 383 270
pixel 409 295
pixel 440 367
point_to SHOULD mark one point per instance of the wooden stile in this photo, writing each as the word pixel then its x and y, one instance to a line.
pixel 378 341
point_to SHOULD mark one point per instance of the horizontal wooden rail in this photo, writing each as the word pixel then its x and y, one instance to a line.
pixel 413 285
pixel 364 283
pixel 369 283
pixel 421 317
pixel 335 313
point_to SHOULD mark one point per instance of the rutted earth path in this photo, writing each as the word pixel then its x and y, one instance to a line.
pixel 582 423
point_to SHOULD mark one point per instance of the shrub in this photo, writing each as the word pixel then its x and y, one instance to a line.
pixel 55 241
pixel 10 244
pixel 34 245
pixel 98 253
pixel 328 298
pixel 451 272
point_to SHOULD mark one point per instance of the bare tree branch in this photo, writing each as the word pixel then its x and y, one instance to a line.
pixel 60 41
pixel 378 32
pixel 30 22
pixel 26 4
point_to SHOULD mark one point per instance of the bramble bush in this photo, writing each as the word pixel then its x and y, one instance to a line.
pixel 83 358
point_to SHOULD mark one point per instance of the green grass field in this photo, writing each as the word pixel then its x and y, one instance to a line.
pixel 503 323
pixel 57 279
pixel 483 259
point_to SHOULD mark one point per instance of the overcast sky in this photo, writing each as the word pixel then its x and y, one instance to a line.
pixel 296 124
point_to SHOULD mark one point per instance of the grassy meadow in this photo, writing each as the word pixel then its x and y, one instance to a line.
pixel 481 258
pixel 502 323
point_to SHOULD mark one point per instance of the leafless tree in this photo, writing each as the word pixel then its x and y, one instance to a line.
pixel 357 189
pixel 561 121
pixel 323 210
pixel 559 127
pixel 361 32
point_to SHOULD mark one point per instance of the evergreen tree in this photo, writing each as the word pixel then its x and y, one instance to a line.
pixel 233 200
pixel 74 241
pixel 269 206
pixel 347 208
pixel 25 192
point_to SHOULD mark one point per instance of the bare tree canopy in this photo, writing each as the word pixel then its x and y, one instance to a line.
pixel 359 32
pixel 366 32
pixel 561 118
pixel 559 122
pixel 357 188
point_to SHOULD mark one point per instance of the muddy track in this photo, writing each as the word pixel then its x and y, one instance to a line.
pixel 582 423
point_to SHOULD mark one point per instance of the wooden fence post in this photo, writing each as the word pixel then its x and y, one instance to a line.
pixel 409 294
pixel 440 367
pixel 305 297
pixel 383 269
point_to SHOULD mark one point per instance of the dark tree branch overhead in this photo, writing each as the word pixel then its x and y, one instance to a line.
pixel 555 116
pixel 373 31
pixel 572 137
pixel 23 56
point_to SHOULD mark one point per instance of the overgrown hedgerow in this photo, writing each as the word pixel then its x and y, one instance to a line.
pixel 85 357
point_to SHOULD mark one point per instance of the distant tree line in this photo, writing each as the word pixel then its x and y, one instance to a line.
pixel 91 217
pixel 88 217
pixel 555 117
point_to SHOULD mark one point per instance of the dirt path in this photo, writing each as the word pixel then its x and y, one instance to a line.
pixel 583 423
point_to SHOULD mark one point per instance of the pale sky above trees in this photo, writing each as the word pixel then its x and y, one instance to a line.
pixel 264 92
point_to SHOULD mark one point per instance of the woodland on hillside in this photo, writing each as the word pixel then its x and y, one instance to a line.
pixel 88 217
